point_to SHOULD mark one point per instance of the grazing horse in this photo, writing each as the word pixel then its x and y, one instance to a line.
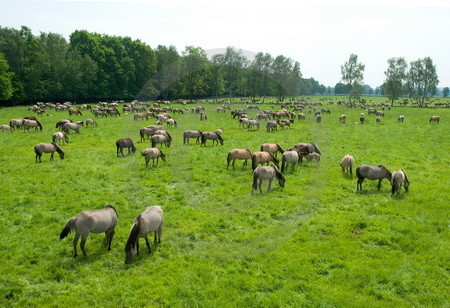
pixel 6 127
pixel 262 158
pixel 203 116
pixel 267 173
pixel 16 123
pixel 342 118
pixel 91 122
pixel 272 125
pixel 378 120
pixel 398 178
pixel 125 143
pixel 252 123
pixel 72 126
pixel 86 222
pixel 311 156
pixel 140 116
pixel 74 111
pixel 191 134
pixel 58 136
pixel 311 147
pixel 171 122
pixel 273 148
pixel 318 118
pixel 151 220
pixel 241 154
pixel 53 147
pixel 161 139
pixel 289 157
pixel 372 173
pixel 32 123
pixel 215 137
pixel 152 153
pixel 362 117
pixel 62 122
pixel 401 118
pixel 347 164
pixel 149 131
pixel 434 119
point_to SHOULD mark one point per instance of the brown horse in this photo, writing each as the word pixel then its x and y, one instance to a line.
pixel 242 154
pixel 273 148
pixel 125 143
pixel 262 173
pixel 434 119
pixel 262 158
pixel 41 148
pixel 398 178
pixel 152 153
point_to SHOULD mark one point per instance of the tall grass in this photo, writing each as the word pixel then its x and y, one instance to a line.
pixel 317 242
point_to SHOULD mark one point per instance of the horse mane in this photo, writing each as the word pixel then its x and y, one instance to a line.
pixel 58 149
pixel 134 233
pixel 278 174
pixel 109 206
pixel 316 149
pixel 39 124
pixel 279 147
pixel 162 154
pixel 219 136
pixel 273 157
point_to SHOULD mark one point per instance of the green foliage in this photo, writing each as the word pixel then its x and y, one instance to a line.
pixel 6 85
pixel 353 73
pixel 422 79
pixel 445 92
pixel 317 242
pixel 395 78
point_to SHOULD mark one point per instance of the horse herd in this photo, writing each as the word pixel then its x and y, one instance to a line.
pixel 105 220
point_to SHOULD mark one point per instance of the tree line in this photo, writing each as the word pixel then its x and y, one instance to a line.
pixel 93 67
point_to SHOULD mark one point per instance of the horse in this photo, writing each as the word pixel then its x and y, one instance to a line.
pixel 342 118
pixel 62 122
pixel 311 147
pixel 86 222
pixel 203 116
pixel 241 154
pixel 192 134
pixel 267 173
pixel 262 158
pixel 151 220
pixel 72 126
pixel 318 118
pixel 434 119
pixel 6 127
pixel 161 139
pixel 152 153
pixel 378 120
pixel 140 116
pixel 171 122
pixel 58 136
pixel 347 164
pixel 52 147
pixel 215 137
pixel 362 117
pixel 272 125
pixel 16 123
pixel 273 148
pixel 125 143
pixel 311 157
pixel 372 173
pixel 149 131
pixel 252 123
pixel 74 111
pixel 289 157
pixel 401 118
pixel 32 123
pixel 91 122
pixel 398 178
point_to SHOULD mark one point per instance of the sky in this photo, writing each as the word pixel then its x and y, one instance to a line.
pixel 319 34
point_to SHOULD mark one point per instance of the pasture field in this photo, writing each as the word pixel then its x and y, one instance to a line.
pixel 315 243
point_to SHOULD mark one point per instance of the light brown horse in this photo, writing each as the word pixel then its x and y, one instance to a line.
pixel 41 148
pixel 152 153
pixel 347 164
pixel 273 148
pixel 6 127
pixel 192 134
pixel 262 173
pixel 151 220
pixel 241 154
pixel 86 222
pixel 262 158
pixel 398 178
pixel 58 136
pixel 434 119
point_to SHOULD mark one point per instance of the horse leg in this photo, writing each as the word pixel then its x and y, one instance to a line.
pixel 244 164
pixel 260 184
pixel 359 184
pixel 148 244
pixel 109 238
pixel 137 246
pixel 270 184
pixel 75 242
pixel 83 242
pixel 158 234
pixel 379 184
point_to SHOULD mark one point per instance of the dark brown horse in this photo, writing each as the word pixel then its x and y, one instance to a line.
pixel 262 158
pixel 125 143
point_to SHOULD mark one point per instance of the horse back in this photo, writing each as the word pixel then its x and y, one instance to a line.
pixel 97 221
pixel 151 219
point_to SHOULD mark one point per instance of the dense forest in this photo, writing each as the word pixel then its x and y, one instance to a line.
pixel 92 67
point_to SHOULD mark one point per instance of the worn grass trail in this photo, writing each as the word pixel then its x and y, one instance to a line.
pixel 317 242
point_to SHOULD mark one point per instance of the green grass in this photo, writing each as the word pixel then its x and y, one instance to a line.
pixel 317 242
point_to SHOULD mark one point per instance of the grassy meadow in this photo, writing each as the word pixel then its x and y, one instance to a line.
pixel 315 243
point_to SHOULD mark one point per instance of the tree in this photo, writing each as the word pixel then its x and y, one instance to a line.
pixel 340 89
pixel 168 76
pixel 195 67
pixel 395 78
pixel 422 80
pixel 352 73
pixel 232 64
pixel 445 92
pixel 6 86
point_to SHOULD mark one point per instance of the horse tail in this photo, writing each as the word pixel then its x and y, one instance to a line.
pixel 358 173
pixel 254 163
pixel 228 159
pixel 68 228
pixel 316 149
pixel 262 147
pixel 255 182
